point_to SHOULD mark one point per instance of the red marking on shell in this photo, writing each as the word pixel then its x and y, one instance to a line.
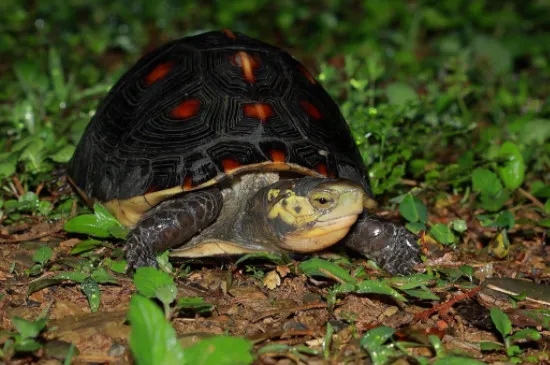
pixel 248 63
pixel 152 189
pixel 229 34
pixel 158 73
pixel 310 109
pixel 229 165
pixel 277 155
pixel 306 73
pixel 322 169
pixel 186 109
pixel 259 111
pixel 187 183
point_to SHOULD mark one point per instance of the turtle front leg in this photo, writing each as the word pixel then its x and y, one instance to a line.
pixel 390 245
pixel 170 224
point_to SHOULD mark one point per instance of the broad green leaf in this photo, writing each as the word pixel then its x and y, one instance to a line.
pixel 400 94
pixel 373 341
pixel 378 287
pixel 325 268
pixel 501 321
pixel 91 289
pixel 166 294
pixel 442 233
pixel 42 255
pixel 7 169
pixel 87 224
pixel 76 276
pixel 28 329
pixel 413 209
pixel 152 340
pixel 485 181
pixel 148 279
pixel 512 172
pixel 494 202
pixel 219 350
pixel 195 304
pixel 415 227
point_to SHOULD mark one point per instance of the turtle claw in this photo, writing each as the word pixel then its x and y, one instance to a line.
pixel 139 254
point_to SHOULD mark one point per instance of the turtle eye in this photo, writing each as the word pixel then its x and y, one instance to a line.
pixel 323 199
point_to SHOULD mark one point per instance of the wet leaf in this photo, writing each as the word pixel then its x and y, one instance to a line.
pixel 152 340
pixel 100 224
pixel 102 276
pixel 411 281
pixel 412 209
pixel 85 246
pixel 421 294
pixel 319 267
pixel 90 288
pixel 512 172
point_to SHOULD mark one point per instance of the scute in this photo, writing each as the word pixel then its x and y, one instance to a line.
pixel 205 107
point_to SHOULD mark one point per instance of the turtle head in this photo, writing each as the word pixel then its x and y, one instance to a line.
pixel 310 213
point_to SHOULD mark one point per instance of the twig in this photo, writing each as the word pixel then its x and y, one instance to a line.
pixel 446 306
pixel 38 231
pixel 534 200
pixel 18 186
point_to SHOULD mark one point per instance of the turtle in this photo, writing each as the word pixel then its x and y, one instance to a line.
pixel 219 144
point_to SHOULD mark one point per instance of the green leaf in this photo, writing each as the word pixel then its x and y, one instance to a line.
pixel 219 350
pixel 100 224
pixel 149 279
pixel 501 321
pixel 413 209
pixel 91 289
pixel 166 294
pixel 512 172
pixel 459 225
pixel 28 329
pixel 194 304
pixel 505 220
pixel 490 51
pixel 494 202
pixel 27 345
pixel 325 268
pixel 378 287
pixel 442 233
pixel 454 360
pixel 152 340
pixel 528 334
pixel 400 94
pixel 373 342
pixel 85 246
pixel 485 181
pixel 411 281
pixel 102 276
pixel 64 154
pixel 42 255
pixel 276 259
pixel 421 294
pixel 491 346
pixel 76 276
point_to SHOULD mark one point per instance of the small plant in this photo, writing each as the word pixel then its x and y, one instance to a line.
pixel 511 339
pixel 24 340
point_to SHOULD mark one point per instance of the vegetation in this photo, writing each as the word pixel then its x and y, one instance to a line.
pixel 449 102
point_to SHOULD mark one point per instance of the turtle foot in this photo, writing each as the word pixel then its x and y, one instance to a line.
pixel 393 247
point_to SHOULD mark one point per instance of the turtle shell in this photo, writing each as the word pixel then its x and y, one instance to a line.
pixel 202 109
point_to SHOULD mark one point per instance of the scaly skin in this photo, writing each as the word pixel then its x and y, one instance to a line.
pixel 390 245
pixel 170 224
